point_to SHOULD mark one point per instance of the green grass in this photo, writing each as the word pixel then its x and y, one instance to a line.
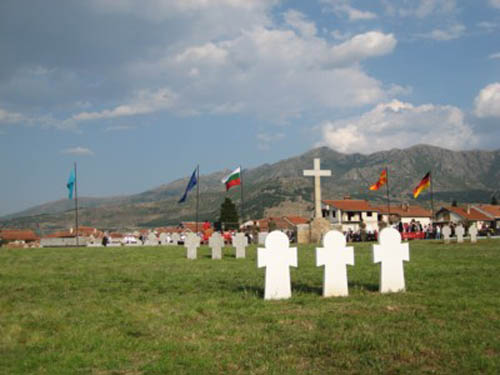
pixel 152 311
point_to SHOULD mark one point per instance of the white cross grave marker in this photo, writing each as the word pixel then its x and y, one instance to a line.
pixel 240 242
pixel 317 173
pixel 473 233
pixel 191 243
pixel 446 233
pixel 459 232
pixel 335 256
pixel 216 242
pixel 277 257
pixel 163 238
pixel 176 238
pixel 151 240
pixel 391 253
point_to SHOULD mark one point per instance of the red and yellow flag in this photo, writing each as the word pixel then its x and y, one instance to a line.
pixel 424 184
pixel 382 180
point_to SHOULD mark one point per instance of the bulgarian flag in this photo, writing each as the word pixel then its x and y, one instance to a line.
pixel 382 180
pixel 233 179
pixel 424 184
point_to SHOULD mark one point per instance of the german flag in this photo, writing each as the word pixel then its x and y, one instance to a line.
pixel 424 184
pixel 382 180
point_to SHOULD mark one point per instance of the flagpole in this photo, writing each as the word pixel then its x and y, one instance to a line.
pixel 76 208
pixel 241 191
pixel 197 195
pixel 388 199
pixel 432 194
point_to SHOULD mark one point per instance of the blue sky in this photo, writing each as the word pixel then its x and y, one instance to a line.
pixel 139 92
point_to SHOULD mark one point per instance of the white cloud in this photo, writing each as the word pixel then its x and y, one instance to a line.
pixel 298 20
pixel 144 102
pixel 494 55
pixel 207 53
pixel 343 8
pixel 399 124
pixel 11 117
pixel 452 32
pixel 362 46
pixel 487 102
pixel 495 3
pixel 79 151
pixel 274 73
pixel 487 26
pixel 419 8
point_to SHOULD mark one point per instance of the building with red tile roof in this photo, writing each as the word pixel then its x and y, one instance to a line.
pixel 20 235
pixel 491 210
pixel 351 214
pixel 405 213
pixel 470 213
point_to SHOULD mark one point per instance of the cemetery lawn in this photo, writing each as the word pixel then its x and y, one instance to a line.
pixel 150 310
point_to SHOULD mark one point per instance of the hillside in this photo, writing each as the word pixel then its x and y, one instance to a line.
pixel 280 188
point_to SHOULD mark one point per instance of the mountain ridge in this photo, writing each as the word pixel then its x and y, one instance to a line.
pixel 462 175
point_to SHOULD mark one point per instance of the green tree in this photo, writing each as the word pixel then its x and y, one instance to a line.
pixel 494 200
pixel 228 215
pixel 454 203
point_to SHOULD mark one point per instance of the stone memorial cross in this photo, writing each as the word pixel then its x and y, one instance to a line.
pixel 446 233
pixel 459 232
pixel 335 256
pixel 240 242
pixel 277 257
pixel 216 242
pixel 473 233
pixel 391 253
pixel 317 173
pixel 191 243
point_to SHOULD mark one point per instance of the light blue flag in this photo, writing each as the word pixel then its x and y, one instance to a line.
pixel 71 184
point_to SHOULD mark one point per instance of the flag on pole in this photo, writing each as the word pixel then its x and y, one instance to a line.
pixel 191 184
pixel 233 179
pixel 424 184
pixel 382 180
pixel 71 184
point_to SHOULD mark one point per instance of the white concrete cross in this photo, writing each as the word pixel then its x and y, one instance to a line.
pixel 473 233
pixel 163 238
pixel 176 238
pixel 277 257
pixel 317 173
pixel 240 242
pixel 335 256
pixel 151 240
pixel 191 243
pixel 459 232
pixel 216 242
pixel 391 253
pixel 446 231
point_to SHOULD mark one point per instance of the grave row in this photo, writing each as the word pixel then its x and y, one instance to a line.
pixel 277 257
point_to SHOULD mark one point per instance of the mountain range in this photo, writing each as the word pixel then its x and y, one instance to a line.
pixel 280 189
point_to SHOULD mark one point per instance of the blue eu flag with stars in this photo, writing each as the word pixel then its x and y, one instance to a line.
pixel 191 184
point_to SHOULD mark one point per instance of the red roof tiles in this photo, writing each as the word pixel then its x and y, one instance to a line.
pixel 470 213
pixel 493 210
pixel 18 235
pixel 405 211
pixel 350 205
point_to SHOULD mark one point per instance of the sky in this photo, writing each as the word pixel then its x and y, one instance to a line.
pixel 139 92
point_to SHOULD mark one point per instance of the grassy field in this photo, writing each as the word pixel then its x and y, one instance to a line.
pixel 151 311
